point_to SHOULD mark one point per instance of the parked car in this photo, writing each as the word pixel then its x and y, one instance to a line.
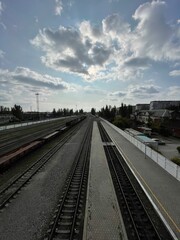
pixel 160 142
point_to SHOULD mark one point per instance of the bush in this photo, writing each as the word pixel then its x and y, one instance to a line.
pixel 121 122
pixel 176 160
pixel 178 148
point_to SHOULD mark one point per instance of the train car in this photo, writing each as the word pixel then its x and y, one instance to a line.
pixel 72 122
pixel 9 158
pixel 75 121
pixel 50 136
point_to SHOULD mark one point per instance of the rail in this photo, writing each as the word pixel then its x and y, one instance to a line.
pixel 140 219
pixel 12 188
pixel 67 222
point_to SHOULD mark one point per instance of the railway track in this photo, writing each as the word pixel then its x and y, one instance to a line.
pixel 10 190
pixel 104 136
pixel 67 222
pixel 140 219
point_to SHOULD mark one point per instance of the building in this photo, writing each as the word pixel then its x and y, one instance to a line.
pixel 163 104
pixel 140 107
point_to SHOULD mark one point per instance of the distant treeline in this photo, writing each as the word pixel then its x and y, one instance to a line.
pixel 19 115
pixel 109 112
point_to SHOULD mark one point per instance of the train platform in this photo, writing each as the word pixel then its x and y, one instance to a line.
pixel 162 189
pixel 103 219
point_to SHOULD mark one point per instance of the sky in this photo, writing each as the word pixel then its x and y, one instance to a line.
pixel 83 54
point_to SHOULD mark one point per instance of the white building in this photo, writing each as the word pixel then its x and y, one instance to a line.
pixel 163 104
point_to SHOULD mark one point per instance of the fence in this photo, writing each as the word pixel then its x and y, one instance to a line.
pixel 165 163
pixel 16 125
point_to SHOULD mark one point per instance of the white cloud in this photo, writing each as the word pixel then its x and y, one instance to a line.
pixel 154 37
pixel 91 90
pixel 114 26
pixel 170 93
pixel 173 93
pixel 174 73
pixel 112 50
pixel 118 94
pixel 24 83
pixel 69 51
pixel 58 7
pixel 3 25
pixel 1 8
pixel 136 93
pixel 27 78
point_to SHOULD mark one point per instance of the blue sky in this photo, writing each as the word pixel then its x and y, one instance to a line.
pixel 84 54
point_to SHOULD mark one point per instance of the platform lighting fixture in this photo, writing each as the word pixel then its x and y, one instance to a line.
pixel 37 102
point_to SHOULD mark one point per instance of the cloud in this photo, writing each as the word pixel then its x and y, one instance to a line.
pixel 136 92
pixel 33 80
pixel 174 73
pixel 137 62
pixel 2 53
pixel 119 94
pixel 1 8
pixel 142 91
pixel 173 92
pixel 4 96
pixel 92 90
pixel 154 37
pixel 68 50
pixel 115 26
pixel 58 7
pixel 29 77
pixel 112 49
pixel 24 83
pixel 36 19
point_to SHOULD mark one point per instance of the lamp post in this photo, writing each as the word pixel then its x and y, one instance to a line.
pixel 37 102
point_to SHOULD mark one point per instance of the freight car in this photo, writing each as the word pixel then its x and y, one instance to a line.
pixel 75 121
pixel 7 159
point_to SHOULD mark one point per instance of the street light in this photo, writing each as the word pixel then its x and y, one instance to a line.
pixel 37 102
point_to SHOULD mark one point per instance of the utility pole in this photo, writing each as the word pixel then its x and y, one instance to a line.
pixel 37 102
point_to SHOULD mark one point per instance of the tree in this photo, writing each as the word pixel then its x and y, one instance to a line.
pixel 93 111
pixel 54 112
pixel 122 122
pixel 71 112
pixel 81 111
pixel 17 111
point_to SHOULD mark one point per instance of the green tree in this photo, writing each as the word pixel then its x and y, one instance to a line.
pixel 81 111
pixel 54 112
pixel 122 122
pixel 17 111
pixel 93 111
pixel 71 112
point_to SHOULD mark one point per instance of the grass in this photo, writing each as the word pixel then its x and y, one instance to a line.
pixel 178 148
pixel 176 160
